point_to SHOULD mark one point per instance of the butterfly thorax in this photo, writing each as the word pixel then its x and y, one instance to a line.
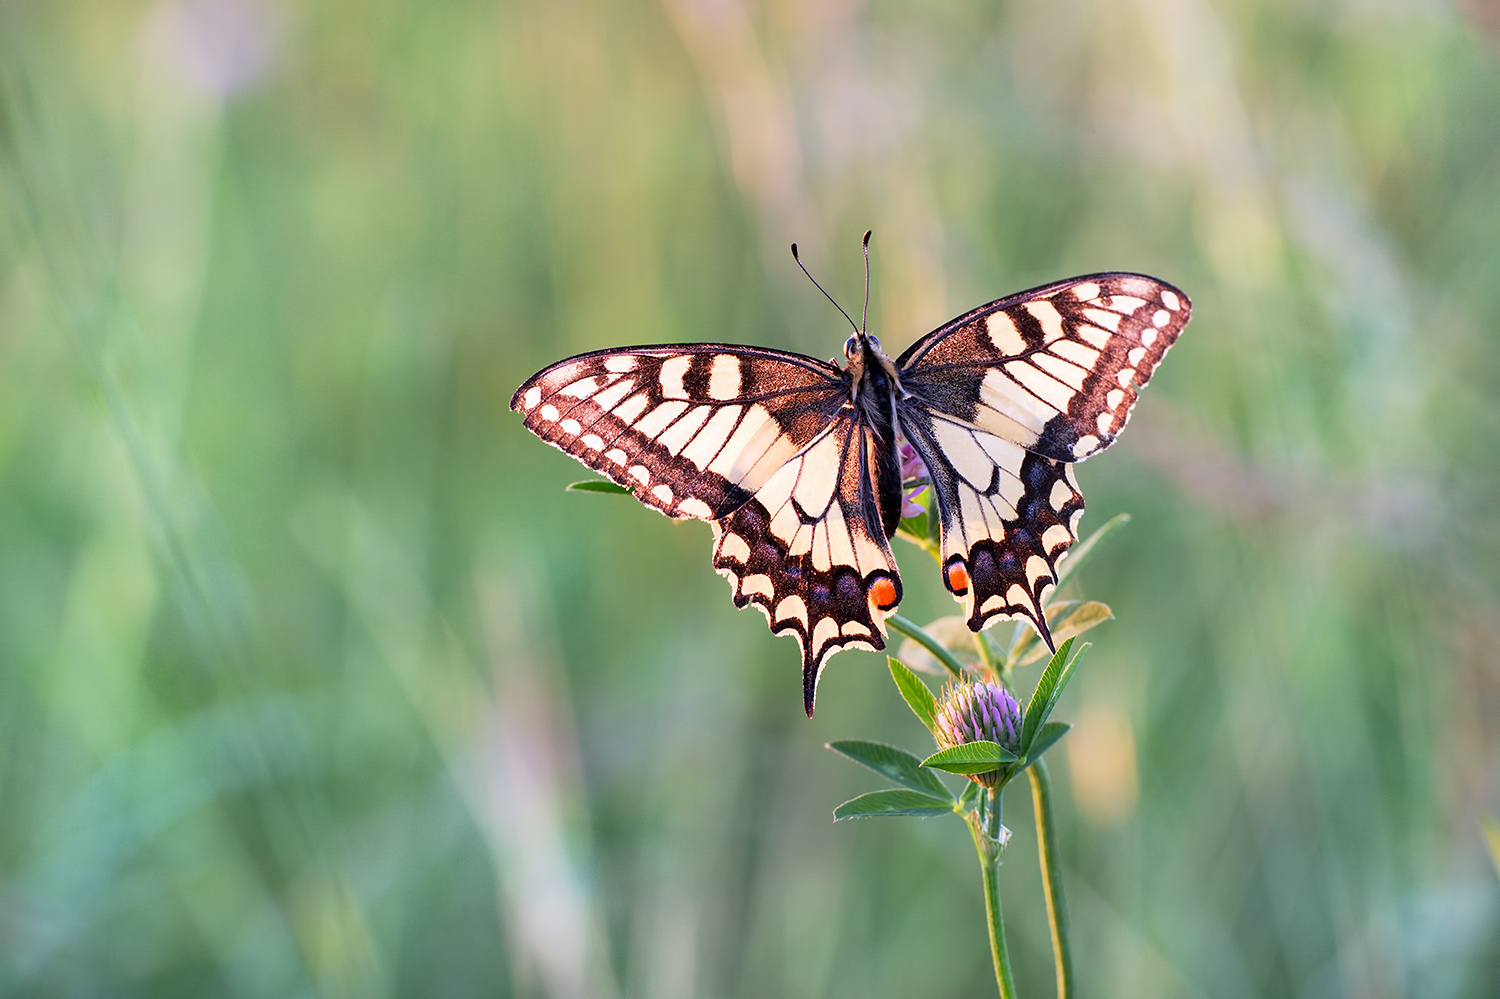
pixel 874 388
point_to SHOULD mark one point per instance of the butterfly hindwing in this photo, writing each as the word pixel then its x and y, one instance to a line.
pixel 809 550
pixel 693 430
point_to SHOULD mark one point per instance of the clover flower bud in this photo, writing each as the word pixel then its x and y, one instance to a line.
pixel 979 712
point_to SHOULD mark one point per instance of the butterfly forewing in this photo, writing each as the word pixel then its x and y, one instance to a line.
pixel 1055 370
pixel 692 430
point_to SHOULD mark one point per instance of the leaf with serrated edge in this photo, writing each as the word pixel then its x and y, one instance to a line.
pixel 971 758
pixel 889 761
pixel 1046 736
pixel 1081 551
pixel 953 634
pixel 914 692
pixel 597 486
pixel 1042 698
pixel 1086 617
pixel 894 802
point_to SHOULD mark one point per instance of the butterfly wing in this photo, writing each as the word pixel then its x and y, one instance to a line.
pixel 809 549
pixel 1002 399
pixel 767 446
pixel 693 430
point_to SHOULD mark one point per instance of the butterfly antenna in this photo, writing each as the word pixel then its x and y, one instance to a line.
pixel 865 316
pixel 820 288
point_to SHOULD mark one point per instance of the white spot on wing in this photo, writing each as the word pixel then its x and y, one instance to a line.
pixel 620 363
pixel 791 608
pixel 826 629
pixel 532 397
pixel 1114 398
pixel 757 585
pixel 591 441
pixel 607 399
pixel 641 474
pixel 731 546
pixel 632 408
pixel 1161 318
pixel 549 413
pixel 617 456
pixel 581 389
pixel 1066 372
pixel 1076 352
pixel 1061 494
pixel 1102 317
pixel 1085 445
pixel 673 370
pixel 1003 334
pixel 1055 535
pixel 1125 377
pixel 1148 337
pixel 660 418
pixel 1051 391
pixel 964 454
pixel 724 377
pixel 663 492
pixel 571 427
pixel 1170 300
pixel 710 440
pixel 1002 395
pixel 676 438
pixel 694 507
pixel 1135 355
pixel 1046 313
pixel 1085 291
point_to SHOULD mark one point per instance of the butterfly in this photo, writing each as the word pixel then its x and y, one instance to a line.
pixel 796 463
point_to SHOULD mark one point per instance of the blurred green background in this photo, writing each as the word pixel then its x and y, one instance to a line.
pixel 314 682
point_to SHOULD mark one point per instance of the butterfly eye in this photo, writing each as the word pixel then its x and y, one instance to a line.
pixel 874 340
pixel 850 346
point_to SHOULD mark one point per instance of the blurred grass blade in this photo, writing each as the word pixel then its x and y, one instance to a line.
pixel 895 802
pixel 1084 617
pixel 900 766
pixel 1046 737
pixel 1085 548
pixel 941 654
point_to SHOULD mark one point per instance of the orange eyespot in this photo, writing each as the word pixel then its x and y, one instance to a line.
pixel 883 592
pixel 958 578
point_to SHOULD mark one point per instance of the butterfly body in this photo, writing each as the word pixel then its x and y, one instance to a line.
pixel 797 463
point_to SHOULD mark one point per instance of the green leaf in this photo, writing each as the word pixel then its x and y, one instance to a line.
pixel 893 802
pixel 889 761
pixel 1085 548
pixel 596 486
pixel 1048 689
pixel 1084 617
pixel 971 758
pixel 952 635
pixel 914 692
pixel 1046 737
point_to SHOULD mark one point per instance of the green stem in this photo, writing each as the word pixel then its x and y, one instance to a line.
pixel 988 844
pixel 1046 841
pixel 927 642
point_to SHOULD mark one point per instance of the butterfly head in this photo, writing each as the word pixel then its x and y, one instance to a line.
pixel 855 346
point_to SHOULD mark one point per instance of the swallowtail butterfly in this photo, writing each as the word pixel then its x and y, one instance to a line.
pixel 796 462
